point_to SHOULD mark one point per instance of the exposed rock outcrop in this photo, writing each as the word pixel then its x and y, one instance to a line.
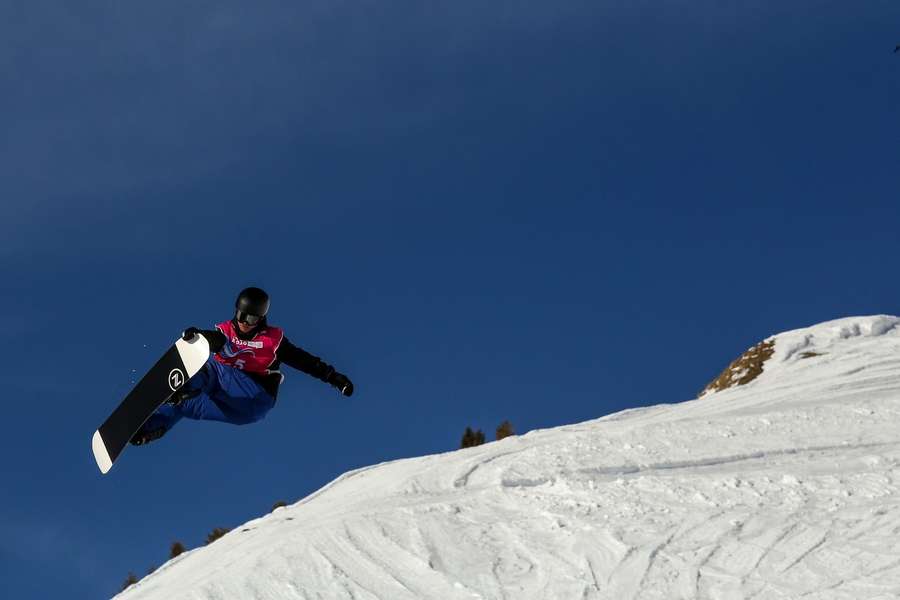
pixel 747 367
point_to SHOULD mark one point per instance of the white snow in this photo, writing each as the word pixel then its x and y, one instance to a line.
pixel 787 487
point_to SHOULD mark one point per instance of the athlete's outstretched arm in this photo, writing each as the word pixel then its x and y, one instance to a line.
pixel 300 359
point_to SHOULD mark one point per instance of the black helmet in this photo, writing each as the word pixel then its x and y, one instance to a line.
pixel 251 305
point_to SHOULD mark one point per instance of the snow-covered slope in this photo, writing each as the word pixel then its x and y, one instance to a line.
pixel 786 487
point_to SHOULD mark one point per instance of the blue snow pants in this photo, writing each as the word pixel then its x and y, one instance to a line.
pixel 226 394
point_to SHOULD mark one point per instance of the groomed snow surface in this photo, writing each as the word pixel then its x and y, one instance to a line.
pixel 788 487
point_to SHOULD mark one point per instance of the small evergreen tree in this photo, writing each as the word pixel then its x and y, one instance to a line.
pixel 505 429
pixel 467 438
pixel 216 534
pixel 479 437
pixel 129 581
pixel 279 504
pixel 176 549
pixel 472 438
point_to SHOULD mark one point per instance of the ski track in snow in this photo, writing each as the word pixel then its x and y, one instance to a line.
pixel 788 487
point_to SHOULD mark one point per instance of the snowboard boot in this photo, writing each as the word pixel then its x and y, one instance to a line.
pixel 145 437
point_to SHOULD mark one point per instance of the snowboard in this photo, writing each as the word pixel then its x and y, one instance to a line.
pixel 177 365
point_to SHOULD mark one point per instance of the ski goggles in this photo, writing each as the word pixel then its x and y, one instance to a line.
pixel 244 317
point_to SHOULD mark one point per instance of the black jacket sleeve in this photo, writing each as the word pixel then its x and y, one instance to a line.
pixel 215 338
pixel 302 360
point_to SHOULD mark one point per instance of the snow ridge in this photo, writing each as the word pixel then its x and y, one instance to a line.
pixel 788 486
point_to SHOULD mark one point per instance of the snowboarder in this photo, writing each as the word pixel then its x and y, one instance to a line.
pixel 239 383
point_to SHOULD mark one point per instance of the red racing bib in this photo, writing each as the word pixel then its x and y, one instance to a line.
pixel 254 355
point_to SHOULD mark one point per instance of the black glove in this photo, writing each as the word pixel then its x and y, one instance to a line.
pixel 189 333
pixel 341 382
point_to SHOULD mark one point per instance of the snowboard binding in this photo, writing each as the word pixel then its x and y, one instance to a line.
pixel 145 437
pixel 178 397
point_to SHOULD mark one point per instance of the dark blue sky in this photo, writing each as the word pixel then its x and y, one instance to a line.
pixel 536 211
